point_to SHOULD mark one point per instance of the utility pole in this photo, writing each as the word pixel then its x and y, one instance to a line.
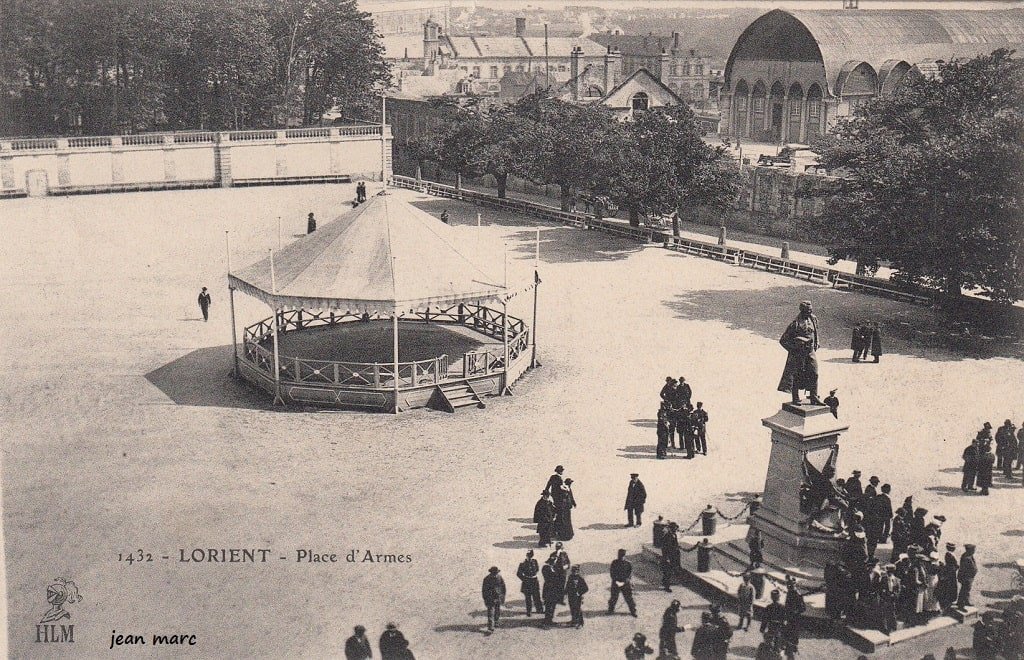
pixel 547 63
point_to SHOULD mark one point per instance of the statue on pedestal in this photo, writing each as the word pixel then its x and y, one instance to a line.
pixel 801 341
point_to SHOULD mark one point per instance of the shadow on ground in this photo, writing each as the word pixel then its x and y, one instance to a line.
pixel 203 378
pixel 906 329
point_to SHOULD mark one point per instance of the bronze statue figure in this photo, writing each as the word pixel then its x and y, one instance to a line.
pixel 801 341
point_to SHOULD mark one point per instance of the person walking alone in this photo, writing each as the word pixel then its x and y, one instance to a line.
pixel 310 223
pixel 636 496
pixel 204 303
pixel 621 572
pixel 493 591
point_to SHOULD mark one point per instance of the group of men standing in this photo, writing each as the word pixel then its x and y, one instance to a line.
pixel 867 338
pixel 553 511
pixel 980 461
pixel 677 417
pixel 393 645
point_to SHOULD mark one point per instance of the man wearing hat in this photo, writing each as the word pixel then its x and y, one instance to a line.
pixel 854 487
pixel 671 560
pixel 986 461
pixel 965 575
pixel 668 390
pixel 493 591
pixel 669 628
pixel 638 649
pixel 946 591
pixel 554 587
pixel 636 495
pixel 310 224
pixel 699 422
pixel 872 488
pixel 801 342
pixel 621 572
pixel 705 638
pixel 774 617
pixel 878 518
pixel 970 468
pixel 723 632
pixel 554 487
pixel 575 588
pixel 393 644
pixel 529 584
pixel 357 647
pixel 204 303
pixel 889 596
pixel 832 401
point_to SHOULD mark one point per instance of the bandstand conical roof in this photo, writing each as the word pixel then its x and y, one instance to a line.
pixel 386 256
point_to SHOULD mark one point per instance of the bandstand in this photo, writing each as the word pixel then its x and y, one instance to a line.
pixel 384 262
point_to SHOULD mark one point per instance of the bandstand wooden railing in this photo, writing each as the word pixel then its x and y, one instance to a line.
pixel 381 375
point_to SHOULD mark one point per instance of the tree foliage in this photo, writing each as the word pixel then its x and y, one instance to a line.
pixel 929 180
pixel 652 165
pixel 101 66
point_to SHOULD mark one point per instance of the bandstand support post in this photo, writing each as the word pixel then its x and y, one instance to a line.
pixel 231 298
pixel 394 337
pixel 536 285
pixel 504 337
pixel 278 400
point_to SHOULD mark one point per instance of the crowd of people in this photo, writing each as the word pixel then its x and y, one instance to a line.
pixel 1001 638
pixel 980 462
pixel 553 511
pixel 679 419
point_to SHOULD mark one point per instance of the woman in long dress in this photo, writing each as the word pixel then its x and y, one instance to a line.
pixel 563 521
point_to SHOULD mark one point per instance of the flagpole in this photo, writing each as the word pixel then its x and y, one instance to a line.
pixel 231 298
pixel 383 142
pixel 277 353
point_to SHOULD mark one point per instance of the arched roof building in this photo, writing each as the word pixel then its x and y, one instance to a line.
pixel 792 72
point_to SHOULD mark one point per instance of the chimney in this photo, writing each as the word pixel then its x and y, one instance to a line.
pixel 520 27
pixel 663 64
pixel 612 68
pixel 574 72
pixel 675 40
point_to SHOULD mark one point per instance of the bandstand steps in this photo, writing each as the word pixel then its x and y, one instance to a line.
pixel 452 396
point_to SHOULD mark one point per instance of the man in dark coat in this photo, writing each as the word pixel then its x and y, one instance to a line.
pixel 668 390
pixel 946 591
pixel 699 422
pixel 871 489
pixel 683 394
pixel 621 571
pixel 575 588
pixel 854 487
pixel 393 645
pixel 357 647
pixel 664 429
pixel 774 617
pixel 755 545
pixel 801 341
pixel 1006 448
pixel 889 597
pixel 794 608
pixel 704 639
pixel 723 633
pixel 529 584
pixel 636 495
pixel 965 575
pixel 554 588
pixel 310 223
pixel 857 342
pixel 878 520
pixel 875 340
pixel 204 303
pixel 544 516
pixel 493 592
pixel 986 461
pixel 667 633
pixel 563 564
pixel 670 557
pixel 638 649
pixel 554 486
pixel 970 468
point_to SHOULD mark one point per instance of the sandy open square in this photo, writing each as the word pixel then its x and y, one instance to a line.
pixel 123 431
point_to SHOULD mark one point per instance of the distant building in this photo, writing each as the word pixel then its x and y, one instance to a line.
pixel 685 71
pixel 792 73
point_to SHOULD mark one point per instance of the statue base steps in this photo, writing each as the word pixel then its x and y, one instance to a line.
pixel 729 559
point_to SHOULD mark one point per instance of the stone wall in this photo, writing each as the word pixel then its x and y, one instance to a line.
pixel 54 166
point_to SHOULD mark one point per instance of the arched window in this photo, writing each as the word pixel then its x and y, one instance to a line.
pixel 593 91
pixel 640 101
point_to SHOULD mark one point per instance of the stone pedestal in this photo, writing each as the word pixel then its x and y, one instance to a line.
pixel 798 430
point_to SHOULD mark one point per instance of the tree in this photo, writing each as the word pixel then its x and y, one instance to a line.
pixel 929 180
